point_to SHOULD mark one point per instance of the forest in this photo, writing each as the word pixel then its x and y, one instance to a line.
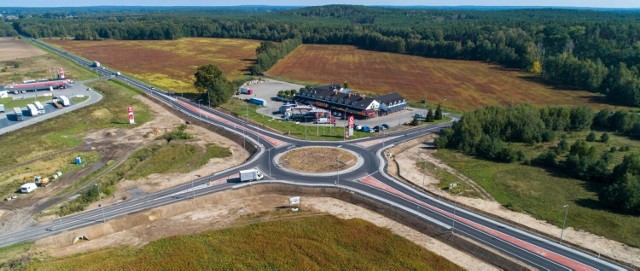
pixel 587 49
pixel 487 132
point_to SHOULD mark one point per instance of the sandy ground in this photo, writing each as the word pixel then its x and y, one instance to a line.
pixel 407 169
pixel 317 160
pixel 227 209
pixel 12 48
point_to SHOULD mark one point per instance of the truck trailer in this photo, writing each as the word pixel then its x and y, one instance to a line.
pixel 17 111
pixel 64 101
pixel 39 106
pixel 258 101
pixel 250 175
pixel 33 111
pixel 247 91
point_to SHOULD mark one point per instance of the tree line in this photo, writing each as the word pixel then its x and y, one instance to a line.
pixel 268 54
pixel 594 50
pixel 486 132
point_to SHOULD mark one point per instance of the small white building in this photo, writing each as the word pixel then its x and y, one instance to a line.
pixel 28 187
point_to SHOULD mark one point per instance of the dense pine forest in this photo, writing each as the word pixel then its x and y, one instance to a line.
pixel 587 49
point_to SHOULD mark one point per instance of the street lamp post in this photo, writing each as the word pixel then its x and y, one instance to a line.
pixel 193 191
pixel 566 211
pixel 270 164
pixel 453 221
pixel 199 108
pixel 101 207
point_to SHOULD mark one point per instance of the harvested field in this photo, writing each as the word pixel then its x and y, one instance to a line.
pixel 12 48
pixel 169 64
pixel 464 84
pixel 311 159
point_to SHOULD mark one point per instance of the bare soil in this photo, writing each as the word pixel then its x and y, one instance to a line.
pixel 228 209
pixel 405 159
pixel 13 48
pixel 318 159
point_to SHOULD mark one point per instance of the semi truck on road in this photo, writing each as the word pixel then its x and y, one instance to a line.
pixel 39 106
pixel 250 175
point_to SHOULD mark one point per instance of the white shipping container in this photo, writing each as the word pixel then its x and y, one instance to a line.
pixel 64 101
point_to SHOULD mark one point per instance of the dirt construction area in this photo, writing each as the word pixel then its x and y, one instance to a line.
pixel 223 210
pixel 318 160
pixel 404 161
pixel 113 147
pixel 13 48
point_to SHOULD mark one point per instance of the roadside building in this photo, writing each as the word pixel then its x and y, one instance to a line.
pixel 391 103
pixel 345 102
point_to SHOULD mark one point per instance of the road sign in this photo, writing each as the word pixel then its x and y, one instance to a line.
pixel 350 126
pixel 294 200
pixel 131 120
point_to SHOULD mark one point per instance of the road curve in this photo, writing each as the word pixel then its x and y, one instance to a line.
pixel 369 180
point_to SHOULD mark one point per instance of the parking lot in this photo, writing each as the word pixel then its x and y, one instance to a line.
pixel 267 89
pixel 8 121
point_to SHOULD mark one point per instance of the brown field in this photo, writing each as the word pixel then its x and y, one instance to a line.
pixel 464 84
pixel 12 48
pixel 169 64
pixel 318 159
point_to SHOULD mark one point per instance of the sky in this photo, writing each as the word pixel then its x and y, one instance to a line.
pixel 555 3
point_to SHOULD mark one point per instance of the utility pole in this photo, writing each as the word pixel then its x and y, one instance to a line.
pixel 101 207
pixel 193 191
pixel 566 211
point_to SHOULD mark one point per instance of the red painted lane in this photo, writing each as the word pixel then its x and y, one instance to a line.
pixel 515 241
pixel 223 180
pixel 273 141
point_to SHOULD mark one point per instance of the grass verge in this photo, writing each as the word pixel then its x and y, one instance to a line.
pixel 16 256
pixel 312 243
pixel 542 194
pixel 446 179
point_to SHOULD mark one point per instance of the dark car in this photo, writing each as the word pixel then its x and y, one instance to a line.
pixel 384 126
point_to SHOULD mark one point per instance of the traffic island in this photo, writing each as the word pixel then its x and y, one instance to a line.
pixel 323 161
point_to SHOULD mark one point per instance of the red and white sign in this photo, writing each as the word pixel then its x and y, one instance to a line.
pixel 350 125
pixel 131 120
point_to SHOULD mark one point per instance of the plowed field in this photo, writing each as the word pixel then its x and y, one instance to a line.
pixel 464 84
pixel 169 64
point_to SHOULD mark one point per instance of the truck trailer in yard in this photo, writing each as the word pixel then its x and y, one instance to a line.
pixel 258 101
pixel 33 111
pixel 250 175
pixel 39 106
pixel 64 100
pixel 247 91
pixel 17 111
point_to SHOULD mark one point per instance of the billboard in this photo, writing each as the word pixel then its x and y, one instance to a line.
pixel 350 126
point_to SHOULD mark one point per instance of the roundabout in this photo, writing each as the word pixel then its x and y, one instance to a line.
pixel 318 161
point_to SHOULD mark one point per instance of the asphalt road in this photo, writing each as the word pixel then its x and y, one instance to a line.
pixel 538 251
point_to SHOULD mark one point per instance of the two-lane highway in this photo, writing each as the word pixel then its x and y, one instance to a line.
pixel 369 180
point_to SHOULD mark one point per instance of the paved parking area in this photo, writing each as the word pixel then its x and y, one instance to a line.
pixel 268 88
pixel 8 120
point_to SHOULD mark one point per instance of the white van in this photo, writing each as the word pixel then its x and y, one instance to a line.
pixel 28 187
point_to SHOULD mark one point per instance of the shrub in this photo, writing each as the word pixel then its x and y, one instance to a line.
pixel 591 137
pixel 604 138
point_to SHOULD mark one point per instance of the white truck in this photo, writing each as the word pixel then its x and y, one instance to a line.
pixel 250 175
pixel 33 111
pixel 96 64
pixel 64 100
pixel 39 106
pixel 1 108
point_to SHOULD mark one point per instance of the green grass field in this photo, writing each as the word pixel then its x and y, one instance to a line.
pixel 312 243
pixel 542 194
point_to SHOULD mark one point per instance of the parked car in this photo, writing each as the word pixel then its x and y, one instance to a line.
pixel 384 126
